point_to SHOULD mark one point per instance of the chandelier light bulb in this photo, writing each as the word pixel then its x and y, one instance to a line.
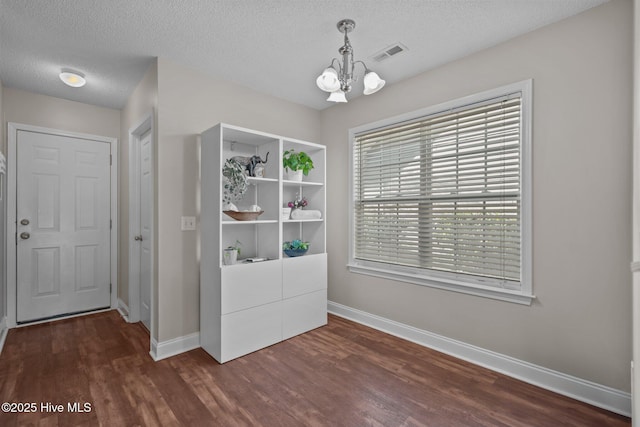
pixel 328 80
pixel 337 96
pixel 372 83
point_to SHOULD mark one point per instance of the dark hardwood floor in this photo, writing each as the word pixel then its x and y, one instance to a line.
pixel 344 374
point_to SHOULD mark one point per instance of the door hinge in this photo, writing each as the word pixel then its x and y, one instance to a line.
pixel 110 288
pixel 110 159
pixel 110 224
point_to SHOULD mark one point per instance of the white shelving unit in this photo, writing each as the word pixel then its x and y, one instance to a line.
pixel 248 306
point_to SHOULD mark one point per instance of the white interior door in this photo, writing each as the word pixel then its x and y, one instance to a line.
pixel 145 229
pixel 63 225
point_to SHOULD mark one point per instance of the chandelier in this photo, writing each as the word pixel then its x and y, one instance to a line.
pixel 338 80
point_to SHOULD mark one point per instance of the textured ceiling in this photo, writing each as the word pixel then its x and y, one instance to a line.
pixel 274 46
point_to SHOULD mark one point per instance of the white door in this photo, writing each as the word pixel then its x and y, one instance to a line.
pixel 145 229
pixel 63 225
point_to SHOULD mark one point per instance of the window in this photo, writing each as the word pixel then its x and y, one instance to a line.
pixel 441 197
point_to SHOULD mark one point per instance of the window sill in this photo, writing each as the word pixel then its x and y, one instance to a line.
pixel 501 294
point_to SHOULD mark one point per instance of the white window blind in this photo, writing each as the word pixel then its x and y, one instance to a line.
pixel 442 193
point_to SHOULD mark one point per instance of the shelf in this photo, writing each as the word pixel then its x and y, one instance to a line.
pixel 257 180
pixel 288 183
pixel 263 221
pixel 244 262
pixel 250 305
pixel 307 255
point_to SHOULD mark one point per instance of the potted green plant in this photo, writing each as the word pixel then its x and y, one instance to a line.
pixel 231 253
pixel 235 182
pixel 296 164
pixel 295 248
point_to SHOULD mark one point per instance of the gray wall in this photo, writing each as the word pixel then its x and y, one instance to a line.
pixel 580 323
pixel 41 110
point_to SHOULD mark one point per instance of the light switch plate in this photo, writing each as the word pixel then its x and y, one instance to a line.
pixel 188 223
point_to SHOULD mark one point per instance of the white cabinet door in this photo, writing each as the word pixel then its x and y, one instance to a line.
pixel 304 274
pixel 249 330
pixel 63 208
pixel 250 285
pixel 303 313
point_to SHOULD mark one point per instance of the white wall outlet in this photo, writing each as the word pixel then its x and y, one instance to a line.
pixel 188 223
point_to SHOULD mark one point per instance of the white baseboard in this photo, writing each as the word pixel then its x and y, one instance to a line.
pixel 165 349
pixel 586 391
pixel 4 330
pixel 123 309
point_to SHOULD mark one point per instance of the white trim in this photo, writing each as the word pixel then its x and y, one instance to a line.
pixel 175 346
pixel 123 309
pixel 114 219
pixel 524 295
pixel 635 266
pixel 576 388
pixel 135 133
pixel 4 330
pixel 12 130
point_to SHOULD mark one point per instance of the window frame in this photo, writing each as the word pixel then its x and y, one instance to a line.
pixel 451 281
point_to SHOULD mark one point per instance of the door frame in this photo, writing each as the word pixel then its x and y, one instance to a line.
pixel 635 265
pixel 136 132
pixel 11 249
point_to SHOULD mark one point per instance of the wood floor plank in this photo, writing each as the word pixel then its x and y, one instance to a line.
pixel 343 374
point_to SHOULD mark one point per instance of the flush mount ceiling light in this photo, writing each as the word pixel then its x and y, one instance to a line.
pixel 72 78
pixel 338 81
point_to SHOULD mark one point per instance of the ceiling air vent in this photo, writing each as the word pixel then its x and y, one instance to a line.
pixel 388 52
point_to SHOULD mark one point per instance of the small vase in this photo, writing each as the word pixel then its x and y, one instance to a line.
pixel 295 252
pixel 295 175
pixel 230 256
pixel 258 171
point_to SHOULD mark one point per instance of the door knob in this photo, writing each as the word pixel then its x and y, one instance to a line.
pixel 138 238
pixel 24 235
pixel 24 221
